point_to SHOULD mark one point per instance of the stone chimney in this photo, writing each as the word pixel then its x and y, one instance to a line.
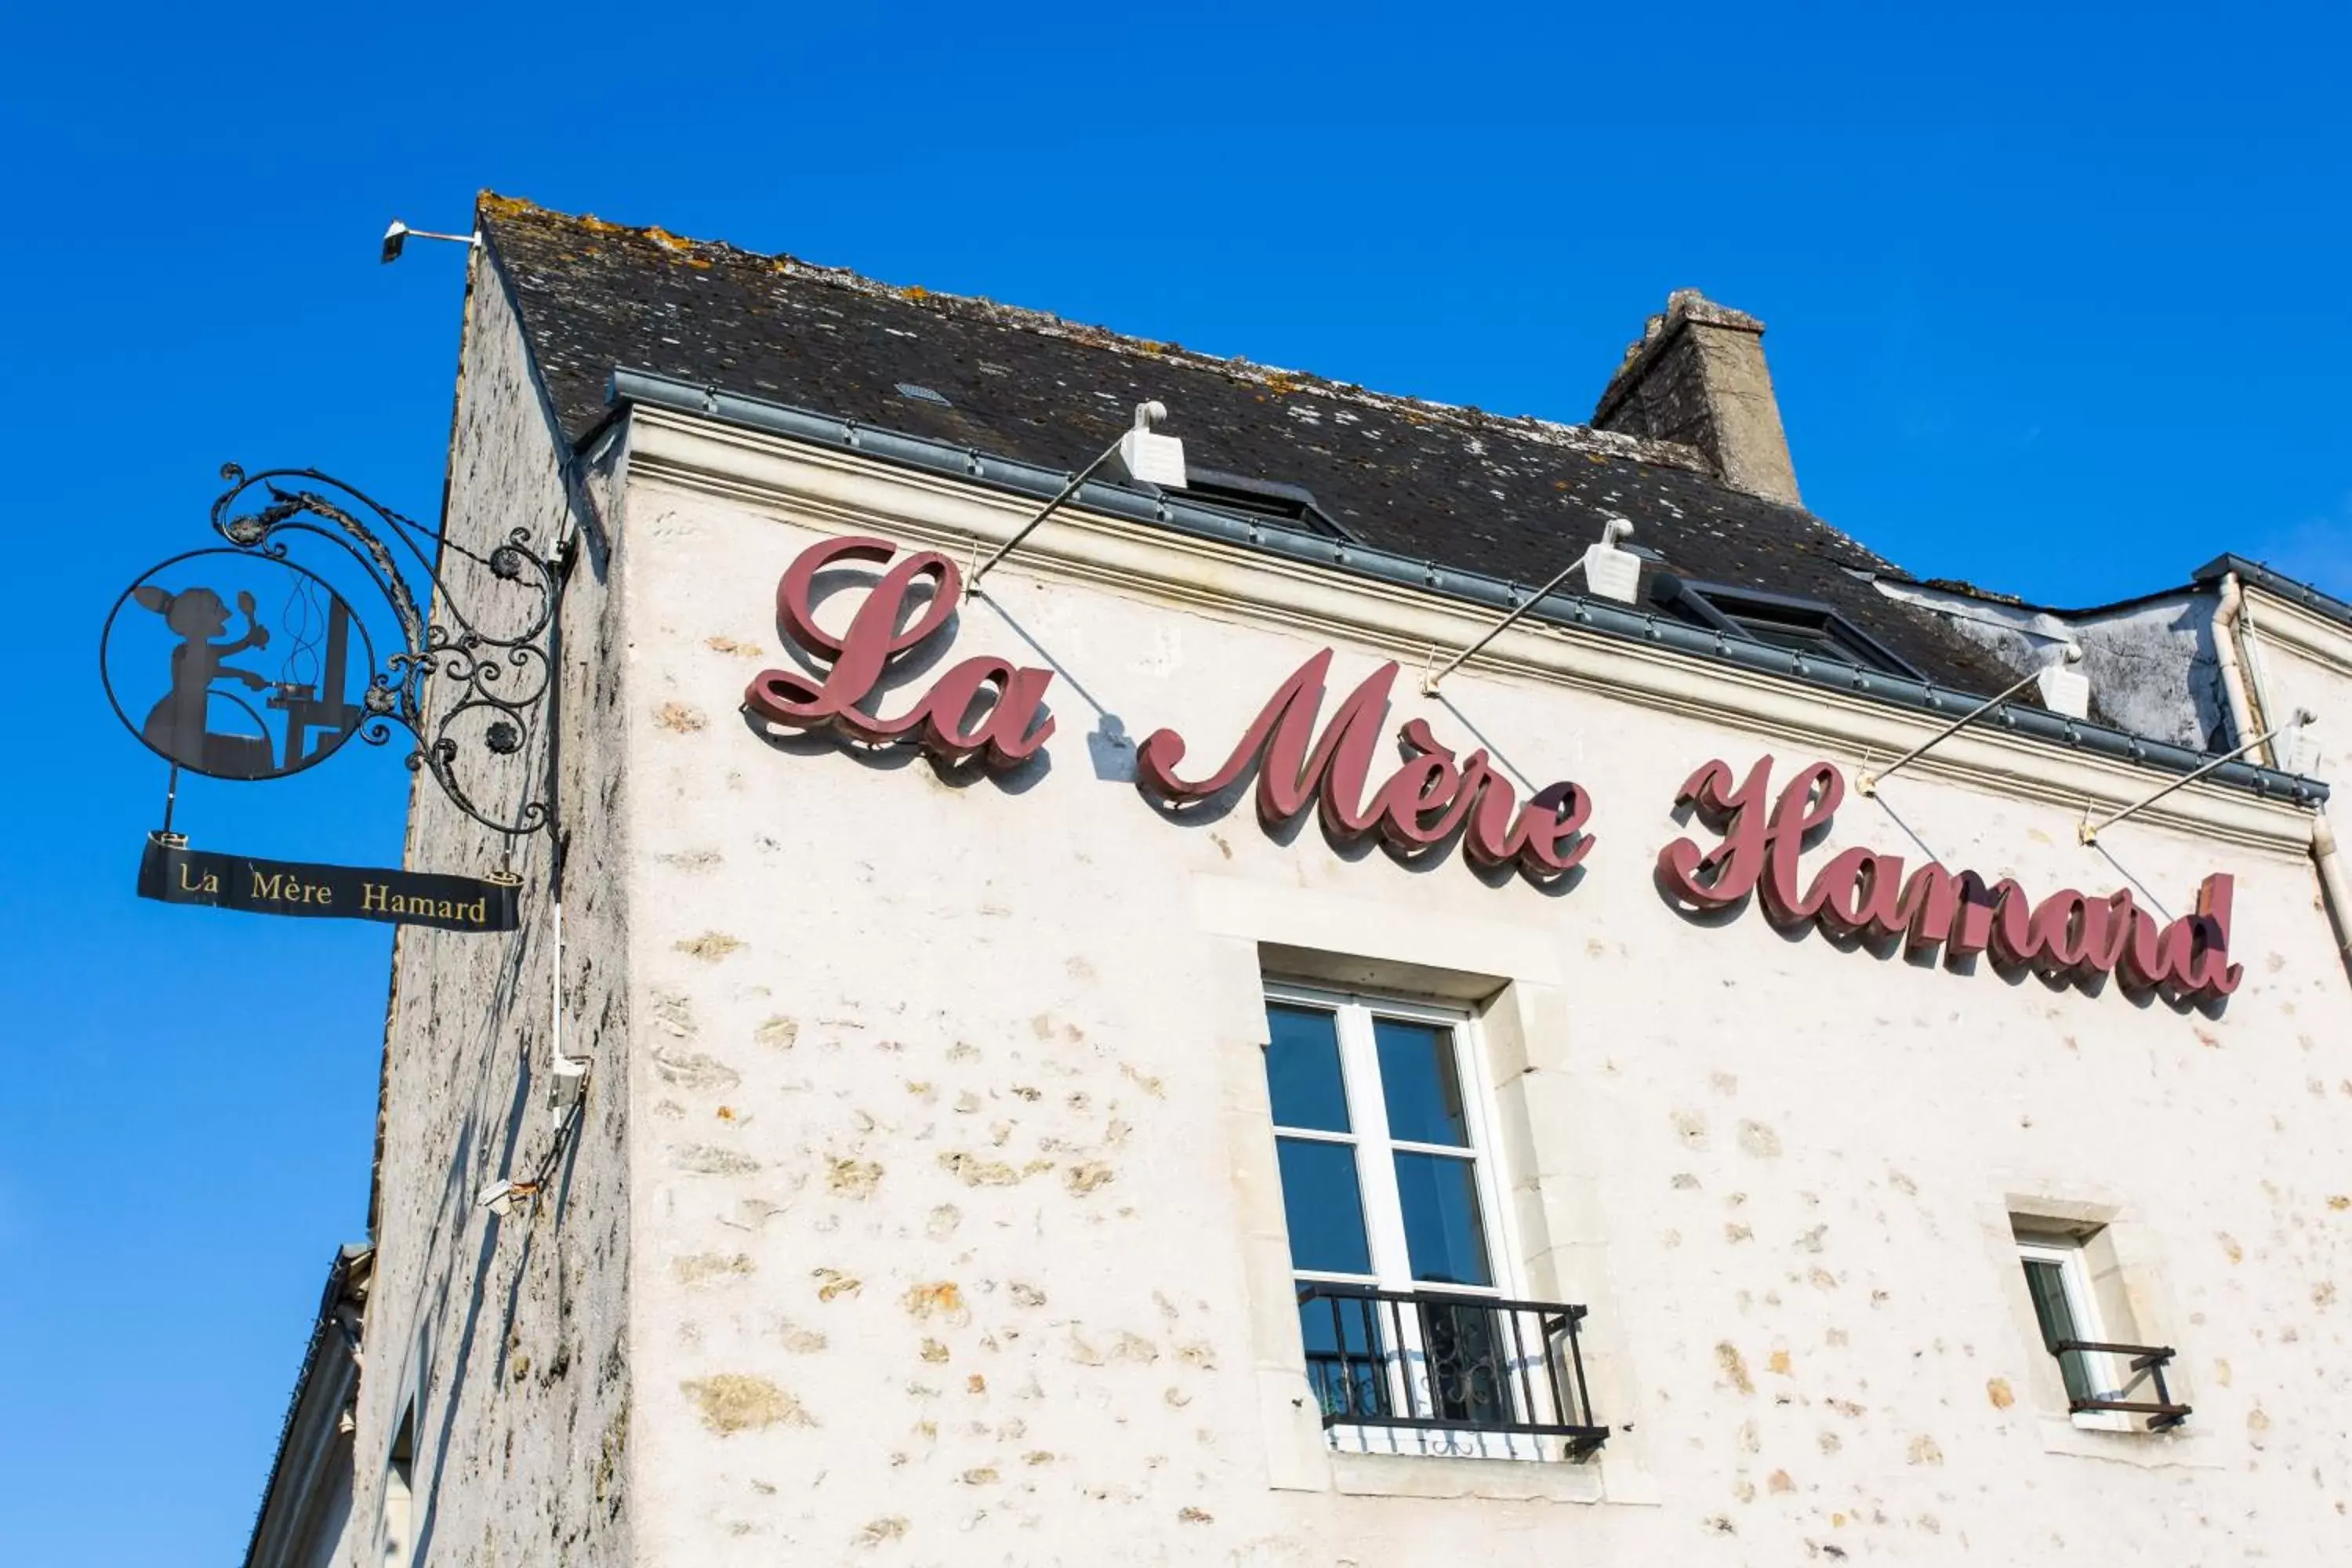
pixel 1697 376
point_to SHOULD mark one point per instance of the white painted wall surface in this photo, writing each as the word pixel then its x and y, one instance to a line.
pixel 952 1205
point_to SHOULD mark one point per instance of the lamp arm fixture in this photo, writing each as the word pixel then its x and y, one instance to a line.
pixel 1146 417
pixel 2089 831
pixel 1615 528
pixel 1867 782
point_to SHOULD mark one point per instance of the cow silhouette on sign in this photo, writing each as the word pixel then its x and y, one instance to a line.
pixel 179 726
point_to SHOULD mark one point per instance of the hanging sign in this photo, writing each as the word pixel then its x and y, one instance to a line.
pixel 239 662
pixel 1863 892
pixel 280 695
pixel 176 874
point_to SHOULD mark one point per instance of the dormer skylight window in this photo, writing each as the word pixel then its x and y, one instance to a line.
pixel 1800 626
pixel 1291 505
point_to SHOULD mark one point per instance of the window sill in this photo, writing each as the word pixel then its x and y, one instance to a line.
pixel 2184 1448
pixel 1450 1476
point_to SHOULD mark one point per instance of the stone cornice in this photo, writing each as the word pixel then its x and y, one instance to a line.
pixel 844 489
pixel 2291 625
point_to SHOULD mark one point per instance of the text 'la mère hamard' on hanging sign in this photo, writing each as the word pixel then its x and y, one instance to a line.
pixel 175 874
pixel 985 710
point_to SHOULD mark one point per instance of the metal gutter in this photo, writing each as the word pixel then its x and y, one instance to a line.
pixel 347 1258
pixel 2275 584
pixel 1605 617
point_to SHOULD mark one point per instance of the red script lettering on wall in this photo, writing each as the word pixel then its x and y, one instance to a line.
pixel 1421 803
pixel 942 720
pixel 1862 890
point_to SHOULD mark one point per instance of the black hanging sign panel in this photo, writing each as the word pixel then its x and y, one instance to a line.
pixel 179 874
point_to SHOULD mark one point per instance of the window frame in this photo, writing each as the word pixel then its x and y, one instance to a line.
pixel 1723 607
pixel 2105 1370
pixel 396 1506
pixel 1375 1149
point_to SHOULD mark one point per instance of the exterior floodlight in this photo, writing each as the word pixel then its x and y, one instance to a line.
pixel 2291 750
pixel 2064 688
pixel 397 236
pixel 2285 741
pixel 1612 573
pixel 1148 458
pixel 1866 783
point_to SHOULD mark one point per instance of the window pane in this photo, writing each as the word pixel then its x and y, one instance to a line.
pixel 1302 1069
pixel 1419 1081
pixel 2047 1283
pixel 1324 1206
pixel 1442 1231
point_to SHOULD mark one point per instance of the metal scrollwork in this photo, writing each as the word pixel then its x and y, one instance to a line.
pixel 493 684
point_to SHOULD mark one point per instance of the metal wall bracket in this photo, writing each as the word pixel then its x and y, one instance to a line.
pixel 496 688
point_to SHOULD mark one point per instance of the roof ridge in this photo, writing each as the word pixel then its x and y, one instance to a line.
pixel 1044 323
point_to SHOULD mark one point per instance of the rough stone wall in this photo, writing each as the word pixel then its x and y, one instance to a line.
pixel 954 1165
pixel 510 1333
pixel 1697 376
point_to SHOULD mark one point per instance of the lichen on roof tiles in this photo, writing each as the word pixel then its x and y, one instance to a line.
pixel 1512 496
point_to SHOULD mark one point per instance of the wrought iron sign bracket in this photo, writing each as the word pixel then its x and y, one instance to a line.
pixel 496 687
pixel 225 713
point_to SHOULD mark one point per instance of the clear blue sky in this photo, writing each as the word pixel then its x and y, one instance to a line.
pixel 2056 306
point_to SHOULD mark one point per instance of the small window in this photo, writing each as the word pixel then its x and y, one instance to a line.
pixel 2108 1383
pixel 1800 626
pixel 1270 499
pixel 2059 1284
pixel 399 1483
pixel 1392 1199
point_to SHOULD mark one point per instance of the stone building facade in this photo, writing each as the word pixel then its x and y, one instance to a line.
pixel 997 1149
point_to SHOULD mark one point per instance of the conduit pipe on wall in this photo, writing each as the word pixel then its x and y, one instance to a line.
pixel 2233 632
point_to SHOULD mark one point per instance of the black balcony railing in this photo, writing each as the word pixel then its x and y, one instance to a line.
pixel 1445 1362
pixel 2146 1363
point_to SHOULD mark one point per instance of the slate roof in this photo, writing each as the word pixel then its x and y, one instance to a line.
pixel 1512 498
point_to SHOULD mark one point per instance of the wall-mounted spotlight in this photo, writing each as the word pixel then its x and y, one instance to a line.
pixel 400 233
pixel 1148 457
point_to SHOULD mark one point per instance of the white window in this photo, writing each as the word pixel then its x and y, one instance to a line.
pixel 1393 1206
pixel 2058 1277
